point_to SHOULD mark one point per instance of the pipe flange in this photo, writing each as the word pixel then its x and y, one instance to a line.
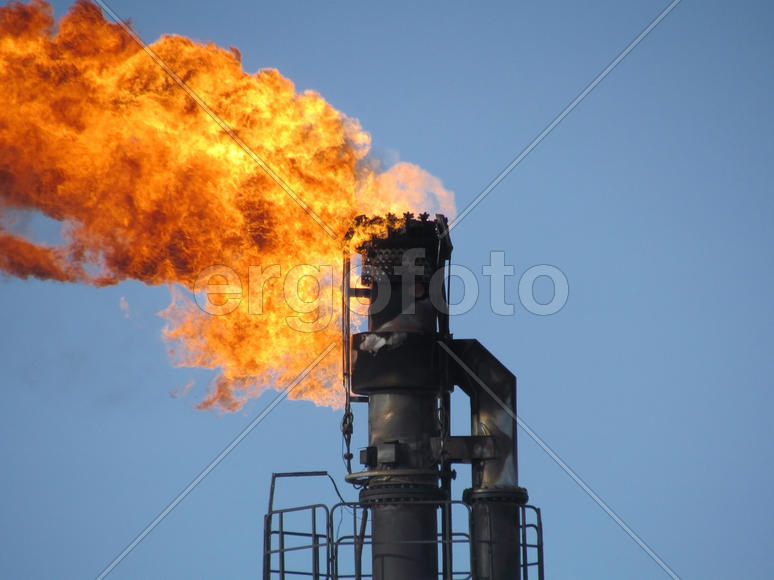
pixel 401 494
pixel 517 495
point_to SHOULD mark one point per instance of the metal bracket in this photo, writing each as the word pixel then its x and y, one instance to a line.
pixel 465 448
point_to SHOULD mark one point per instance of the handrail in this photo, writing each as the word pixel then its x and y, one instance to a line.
pixel 343 550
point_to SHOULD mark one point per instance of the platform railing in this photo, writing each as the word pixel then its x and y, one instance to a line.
pixel 313 541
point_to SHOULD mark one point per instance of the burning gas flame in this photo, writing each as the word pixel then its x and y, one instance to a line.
pixel 147 186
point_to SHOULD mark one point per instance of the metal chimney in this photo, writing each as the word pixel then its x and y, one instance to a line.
pixel 405 367
pixel 397 365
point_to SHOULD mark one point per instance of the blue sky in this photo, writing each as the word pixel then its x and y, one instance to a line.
pixel 653 382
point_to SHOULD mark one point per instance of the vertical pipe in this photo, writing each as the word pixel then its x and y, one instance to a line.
pixel 448 554
pixel 359 539
pixel 446 509
pixel 331 566
pixel 346 270
pixel 396 365
pixel 315 547
pixel 404 508
pixel 495 551
pixel 540 544
pixel 282 546
pixel 495 496
pixel 405 537
pixel 267 546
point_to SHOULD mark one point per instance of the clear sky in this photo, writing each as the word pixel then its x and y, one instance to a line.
pixel 653 197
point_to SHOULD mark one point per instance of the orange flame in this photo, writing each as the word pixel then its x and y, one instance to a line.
pixel 147 186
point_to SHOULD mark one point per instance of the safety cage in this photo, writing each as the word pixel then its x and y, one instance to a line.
pixel 334 543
